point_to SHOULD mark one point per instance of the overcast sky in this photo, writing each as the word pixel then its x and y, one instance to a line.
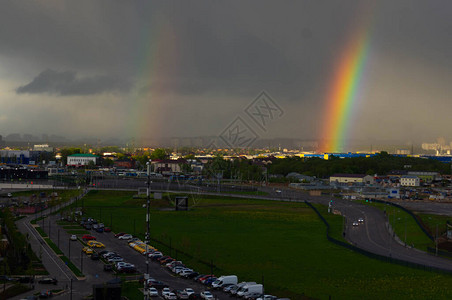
pixel 149 69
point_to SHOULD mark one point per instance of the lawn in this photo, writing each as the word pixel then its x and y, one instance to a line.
pixel 282 244
pixel 432 222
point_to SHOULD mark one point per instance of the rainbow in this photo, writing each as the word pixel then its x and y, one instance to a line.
pixel 344 88
pixel 157 61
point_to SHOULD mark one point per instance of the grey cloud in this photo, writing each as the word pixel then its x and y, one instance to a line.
pixel 68 84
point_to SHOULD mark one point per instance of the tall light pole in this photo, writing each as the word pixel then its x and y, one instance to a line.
pixel 147 236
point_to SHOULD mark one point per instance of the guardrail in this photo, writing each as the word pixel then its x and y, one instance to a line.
pixel 374 255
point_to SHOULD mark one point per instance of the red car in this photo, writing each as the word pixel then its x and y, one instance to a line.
pixel 202 279
pixel 107 229
pixel 119 234
pixel 88 237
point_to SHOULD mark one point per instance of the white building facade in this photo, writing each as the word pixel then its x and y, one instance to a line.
pixel 81 159
pixel 408 180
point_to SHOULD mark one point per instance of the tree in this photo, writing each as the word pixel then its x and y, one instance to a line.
pixel 159 154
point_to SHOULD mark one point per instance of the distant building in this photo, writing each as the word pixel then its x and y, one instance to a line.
pixel 15 156
pixel 352 178
pixel 43 147
pixel 409 180
pixel 425 176
pixel 124 163
pixel 168 166
pixel 81 159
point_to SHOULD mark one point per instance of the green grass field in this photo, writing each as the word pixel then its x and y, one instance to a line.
pixel 283 244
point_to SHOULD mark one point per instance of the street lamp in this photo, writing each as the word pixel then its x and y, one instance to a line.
pixel 147 235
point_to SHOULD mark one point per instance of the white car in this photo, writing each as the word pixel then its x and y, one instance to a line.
pixel 121 264
pixel 73 237
pixel 157 253
pixel 125 237
pixel 189 291
pixel 115 259
pixel 170 296
pixel 206 295
pixel 153 292
pixel 185 272
pixel 165 291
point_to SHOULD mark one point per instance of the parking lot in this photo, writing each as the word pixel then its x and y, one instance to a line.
pixel 94 269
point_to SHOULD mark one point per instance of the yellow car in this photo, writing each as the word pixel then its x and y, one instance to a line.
pixel 87 250
pixel 95 244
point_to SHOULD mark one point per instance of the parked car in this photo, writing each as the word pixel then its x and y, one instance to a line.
pixel 88 237
pixel 185 272
pixel 192 275
pixel 156 284
pixel 119 234
pixel 153 292
pixel 107 229
pixel 189 291
pixel 202 279
pixel 166 260
pixel 109 254
pixel 165 291
pixel 170 296
pixel 125 237
pixel 48 280
pixel 87 250
pixel 73 237
pixel 115 259
pixel 209 280
pixel 181 294
pixel 100 229
pixel 95 256
pixel 228 288
pixel 195 296
pixel 127 269
pixel 206 295
pixel 95 244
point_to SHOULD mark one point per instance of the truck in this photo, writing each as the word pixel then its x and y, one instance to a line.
pixel 223 280
pixel 250 289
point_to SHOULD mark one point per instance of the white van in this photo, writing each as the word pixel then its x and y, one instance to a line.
pixel 250 289
pixel 223 280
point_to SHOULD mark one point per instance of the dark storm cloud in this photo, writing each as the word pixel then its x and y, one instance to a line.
pixel 195 52
pixel 68 84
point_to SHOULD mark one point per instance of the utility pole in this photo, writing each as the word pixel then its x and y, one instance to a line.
pixel 147 236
